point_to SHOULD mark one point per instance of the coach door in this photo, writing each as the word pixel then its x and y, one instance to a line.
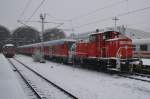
pixel 71 52
pixel 50 52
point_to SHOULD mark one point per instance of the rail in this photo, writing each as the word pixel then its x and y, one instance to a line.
pixel 26 81
pixel 47 80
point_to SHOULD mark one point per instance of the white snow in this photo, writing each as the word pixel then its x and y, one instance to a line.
pixel 87 84
pixel 9 85
pixel 41 86
pixel 9 45
pixel 146 61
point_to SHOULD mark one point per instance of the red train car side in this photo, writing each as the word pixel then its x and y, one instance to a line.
pixel 57 49
pixel 105 50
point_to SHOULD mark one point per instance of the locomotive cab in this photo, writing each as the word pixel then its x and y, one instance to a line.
pixel 112 49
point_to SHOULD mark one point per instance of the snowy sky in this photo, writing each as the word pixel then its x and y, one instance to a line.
pixel 86 15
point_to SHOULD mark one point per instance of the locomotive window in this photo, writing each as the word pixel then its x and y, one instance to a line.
pixel 107 35
pixel 143 47
pixel 92 38
pixel 134 47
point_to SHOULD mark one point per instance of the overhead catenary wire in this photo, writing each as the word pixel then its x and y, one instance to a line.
pixel 19 21
pixel 99 9
pixel 19 29
pixel 137 23
pixel 59 19
pixel 36 10
pixel 25 8
pixel 89 13
pixel 64 21
pixel 119 15
pixel 134 11
pixel 40 21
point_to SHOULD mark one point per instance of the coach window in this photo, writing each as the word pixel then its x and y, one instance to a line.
pixel 143 47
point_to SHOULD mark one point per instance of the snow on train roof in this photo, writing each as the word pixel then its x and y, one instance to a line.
pixel 141 41
pixel 102 32
pixel 8 45
pixel 60 41
pixel 118 29
pixel 115 39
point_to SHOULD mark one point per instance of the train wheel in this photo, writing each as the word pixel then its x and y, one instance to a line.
pixel 102 65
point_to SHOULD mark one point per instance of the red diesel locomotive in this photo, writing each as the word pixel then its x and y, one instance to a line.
pixel 106 50
pixel 110 49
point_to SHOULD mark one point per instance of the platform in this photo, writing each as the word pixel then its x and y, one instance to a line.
pixel 10 87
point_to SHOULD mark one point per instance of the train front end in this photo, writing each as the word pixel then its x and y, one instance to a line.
pixel 120 53
pixel 9 50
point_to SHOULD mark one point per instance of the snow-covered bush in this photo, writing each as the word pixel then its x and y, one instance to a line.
pixel 38 56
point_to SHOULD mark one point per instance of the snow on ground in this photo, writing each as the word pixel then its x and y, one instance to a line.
pixel 41 86
pixel 9 85
pixel 146 61
pixel 86 84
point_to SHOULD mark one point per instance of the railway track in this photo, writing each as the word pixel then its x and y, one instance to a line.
pixel 59 93
pixel 26 81
pixel 136 76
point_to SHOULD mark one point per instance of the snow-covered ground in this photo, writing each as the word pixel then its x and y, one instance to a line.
pixel 43 88
pixel 86 84
pixel 10 87
pixel 146 61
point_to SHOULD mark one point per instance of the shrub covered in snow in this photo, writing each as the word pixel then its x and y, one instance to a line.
pixel 38 56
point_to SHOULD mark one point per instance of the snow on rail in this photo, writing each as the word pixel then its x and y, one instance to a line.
pixel 10 87
pixel 87 84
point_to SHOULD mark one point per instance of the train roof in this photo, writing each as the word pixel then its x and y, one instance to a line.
pixel 115 39
pixel 53 42
pixel 8 45
pixel 61 41
pixel 141 41
pixel 102 32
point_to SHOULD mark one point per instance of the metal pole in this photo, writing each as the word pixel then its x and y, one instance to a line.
pixel 115 19
pixel 42 16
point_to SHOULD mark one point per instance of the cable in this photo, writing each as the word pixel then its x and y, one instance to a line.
pixel 102 20
pixel 99 9
pixel 25 8
pixel 134 11
pixel 65 20
pixel 137 23
pixel 120 15
pixel 36 9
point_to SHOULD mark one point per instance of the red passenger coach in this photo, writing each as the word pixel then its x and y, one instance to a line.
pixel 141 47
pixel 59 49
pixel 56 49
